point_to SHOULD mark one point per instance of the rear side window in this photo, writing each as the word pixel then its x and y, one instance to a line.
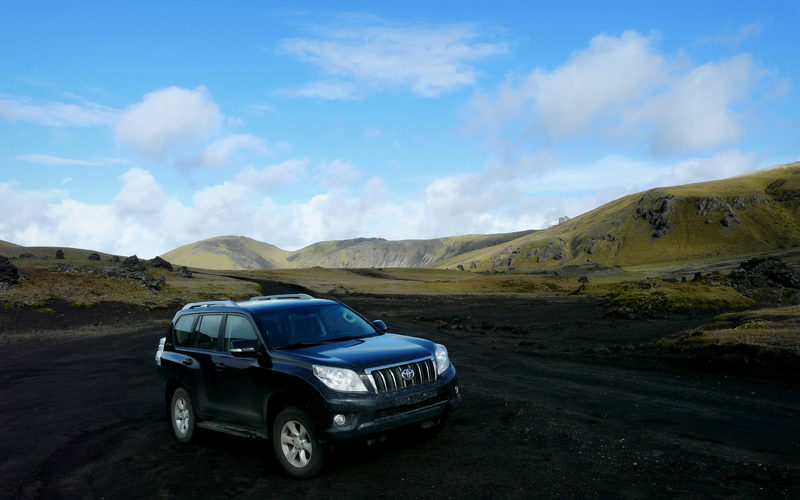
pixel 207 331
pixel 183 330
pixel 239 328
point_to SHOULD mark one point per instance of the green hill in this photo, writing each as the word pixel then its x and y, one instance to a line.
pixel 745 215
pixel 227 253
pixel 241 253
pixel 376 252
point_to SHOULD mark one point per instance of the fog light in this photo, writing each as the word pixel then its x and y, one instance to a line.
pixel 339 419
pixel 456 389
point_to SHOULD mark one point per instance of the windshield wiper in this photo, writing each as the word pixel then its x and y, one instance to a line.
pixel 300 344
pixel 321 342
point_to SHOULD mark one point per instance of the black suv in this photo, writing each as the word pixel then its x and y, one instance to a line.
pixel 300 371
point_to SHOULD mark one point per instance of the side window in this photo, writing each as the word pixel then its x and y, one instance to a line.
pixel 239 328
pixel 183 330
pixel 207 331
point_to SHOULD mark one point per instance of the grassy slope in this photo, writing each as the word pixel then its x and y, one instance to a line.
pixel 86 285
pixel 766 203
pixel 7 247
pixel 240 253
pixel 229 252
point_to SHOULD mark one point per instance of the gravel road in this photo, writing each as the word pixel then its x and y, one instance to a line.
pixel 556 405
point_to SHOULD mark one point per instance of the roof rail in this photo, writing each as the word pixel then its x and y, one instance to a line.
pixel 287 296
pixel 209 303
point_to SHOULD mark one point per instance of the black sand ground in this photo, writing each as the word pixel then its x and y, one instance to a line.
pixel 556 404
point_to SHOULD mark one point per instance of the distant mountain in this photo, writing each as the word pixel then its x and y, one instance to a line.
pixel 739 216
pixel 239 252
pixel 229 252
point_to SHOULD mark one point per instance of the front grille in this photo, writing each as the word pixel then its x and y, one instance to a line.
pixel 390 378
pixel 398 410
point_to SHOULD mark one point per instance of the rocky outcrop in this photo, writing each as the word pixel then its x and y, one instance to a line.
pixel 657 210
pixel 184 272
pixel 59 254
pixel 132 264
pixel 551 251
pixel 160 263
pixel 94 256
pixel 9 274
pixel 766 279
pixel 719 209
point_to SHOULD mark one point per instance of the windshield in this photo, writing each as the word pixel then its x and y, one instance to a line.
pixel 313 325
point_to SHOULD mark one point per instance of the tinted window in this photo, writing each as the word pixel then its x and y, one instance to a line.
pixel 183 330
pixel 313 324
pixel 237 328
pixel 207 331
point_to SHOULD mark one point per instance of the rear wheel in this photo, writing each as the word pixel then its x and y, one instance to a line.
pixel 295 443
pixel 181 415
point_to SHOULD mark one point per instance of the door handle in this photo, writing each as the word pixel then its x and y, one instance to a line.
pixel 187 361
pixel 219 365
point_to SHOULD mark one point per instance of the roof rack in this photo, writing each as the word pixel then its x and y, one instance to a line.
pixel 287 296
pixel 209 303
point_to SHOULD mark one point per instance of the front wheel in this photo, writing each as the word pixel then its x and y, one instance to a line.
pixel 181 415
pixel 295 443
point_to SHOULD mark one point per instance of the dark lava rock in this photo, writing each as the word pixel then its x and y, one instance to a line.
pixel 132 264
pixel 9 274
pixel 26 255
pixel 658 215
pixel 583 279
pixel 152 283
pixel 115 258
pixel 551 251
pixel 184 272
pixel 94 256
pixel 59 254
pixel 148 281
pixel 160 263
pixel 766 279
pixel 64 268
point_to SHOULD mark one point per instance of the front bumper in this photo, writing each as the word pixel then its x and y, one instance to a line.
pixel 377 414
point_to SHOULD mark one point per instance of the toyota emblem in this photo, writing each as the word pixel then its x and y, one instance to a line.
pixel 407 374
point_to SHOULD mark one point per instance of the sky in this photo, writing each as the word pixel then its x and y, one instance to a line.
pixel 137 127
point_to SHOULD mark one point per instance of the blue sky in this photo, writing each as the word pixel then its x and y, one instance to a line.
pixel 136 127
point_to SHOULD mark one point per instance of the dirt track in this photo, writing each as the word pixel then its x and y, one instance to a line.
pixel 555 405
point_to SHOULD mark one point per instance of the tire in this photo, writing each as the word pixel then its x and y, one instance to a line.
pixel 181 415
pixel 294 440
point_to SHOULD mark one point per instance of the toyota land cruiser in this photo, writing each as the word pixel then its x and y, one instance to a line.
pixel 300 372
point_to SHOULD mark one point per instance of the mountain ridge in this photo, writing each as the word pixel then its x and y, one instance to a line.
pixel 744 215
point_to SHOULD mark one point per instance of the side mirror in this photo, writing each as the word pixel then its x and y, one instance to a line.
pixel 380 325
pixel 243 347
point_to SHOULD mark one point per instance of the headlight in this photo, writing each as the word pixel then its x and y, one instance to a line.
pixel 442 359
pixel 339 379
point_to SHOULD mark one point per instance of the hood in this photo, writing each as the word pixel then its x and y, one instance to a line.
pixel 370 352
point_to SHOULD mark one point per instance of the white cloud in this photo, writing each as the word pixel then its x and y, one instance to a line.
pixel 720 166
pixel 733 40
pixel 55 160
pixel 270 178
pixel 427 60
pixel 621 90
pixel 57 114
pixel 337 174
pixel 43 159
pixel 695 112
pixel 220 152
pixel 167 119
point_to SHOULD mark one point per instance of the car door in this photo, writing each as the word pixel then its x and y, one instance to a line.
pixel 240 380
pixel 200 347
